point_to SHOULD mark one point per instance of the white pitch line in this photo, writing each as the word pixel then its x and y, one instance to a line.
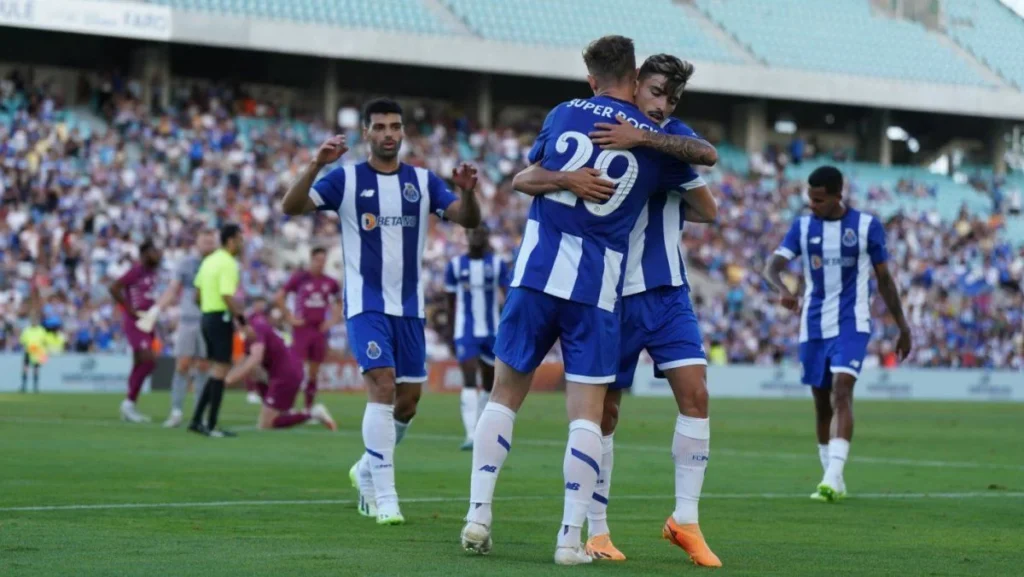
pixel 271 503
pixel 894 461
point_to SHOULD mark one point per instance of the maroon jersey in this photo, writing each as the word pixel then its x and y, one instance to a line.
pixel 313 295
pixel 139 285
pixel 278 360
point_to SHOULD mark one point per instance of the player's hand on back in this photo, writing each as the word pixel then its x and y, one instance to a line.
pixel 464 177
pixel 620 135
pixel 331 150
pixel 588 184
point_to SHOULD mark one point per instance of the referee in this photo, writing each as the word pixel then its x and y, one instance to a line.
pixel 216 284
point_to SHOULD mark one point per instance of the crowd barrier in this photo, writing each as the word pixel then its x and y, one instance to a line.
pixel 106 373
pixel 783 382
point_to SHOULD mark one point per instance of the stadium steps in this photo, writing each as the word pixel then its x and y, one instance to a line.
pixel 980 66
pixel 728 40
pixel 446 16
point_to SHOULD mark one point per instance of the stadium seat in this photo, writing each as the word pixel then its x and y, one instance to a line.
pixel 987 28
pixel 841 36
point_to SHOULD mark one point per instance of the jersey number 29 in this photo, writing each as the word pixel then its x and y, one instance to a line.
pixel 584 149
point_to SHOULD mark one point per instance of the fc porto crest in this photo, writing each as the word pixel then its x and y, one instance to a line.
pixel 849 238
pixel 410 192
pixel 373 350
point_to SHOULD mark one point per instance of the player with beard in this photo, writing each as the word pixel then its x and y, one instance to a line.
pixel 384 205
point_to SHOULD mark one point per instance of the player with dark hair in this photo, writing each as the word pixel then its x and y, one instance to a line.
pixel 317 300
pixel 567 283
pixel 383 205
pixel 134 292
pixel 280 373
pixel 838 247
pixel 657 314
pixel 216 283
pixel 476 283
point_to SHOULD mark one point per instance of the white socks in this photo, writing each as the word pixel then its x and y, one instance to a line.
pixel 365 476
pixel 492 441
pixel 379 439
pixel 581 468
pixel 597 514
pixel 481 402
pixel 823 457
pixel 838 451
pixel 470 411
pixel 690 448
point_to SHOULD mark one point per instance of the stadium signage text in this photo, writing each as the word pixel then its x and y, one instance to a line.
pixel 129 20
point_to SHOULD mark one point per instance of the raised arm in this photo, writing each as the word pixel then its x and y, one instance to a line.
pixel 297 200
pixel 465 210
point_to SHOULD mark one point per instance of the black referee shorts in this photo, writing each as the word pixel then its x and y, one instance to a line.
pixel 219 336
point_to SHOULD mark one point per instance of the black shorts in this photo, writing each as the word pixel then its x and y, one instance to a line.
pixel 219 336
pixel 29 362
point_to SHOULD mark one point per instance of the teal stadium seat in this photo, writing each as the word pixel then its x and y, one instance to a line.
pixel 657 25
pixel 399 15
pixel 990 31
pixel 840 36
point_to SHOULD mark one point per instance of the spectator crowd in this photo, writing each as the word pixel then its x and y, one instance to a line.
pixel 82 187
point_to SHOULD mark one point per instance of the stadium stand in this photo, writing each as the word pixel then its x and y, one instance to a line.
pixel 657 25
pixel 840 36
pixel 397 15
pixel 218 155
pixel 986 28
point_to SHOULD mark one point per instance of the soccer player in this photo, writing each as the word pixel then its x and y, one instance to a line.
pixel 656 314
pixel 837 246
pixel 134 291
pixel 317 298
pixel 383 205
pixel 267 353
pixel 474 283
pixel 216 283
pixel 33 341
pixel 566 285
pixel 189 347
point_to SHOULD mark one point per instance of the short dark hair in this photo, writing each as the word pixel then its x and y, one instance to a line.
pixel 228 232
pixel 610 58
pixel 675 70
pixel 146 245
pixel 317 250
pixel 380 106
pixel 827 177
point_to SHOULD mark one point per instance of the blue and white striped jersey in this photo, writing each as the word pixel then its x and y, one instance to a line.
pixel 837 256
pixel 475 284
pixel 655 249
pixel 383 231
pixel 572 249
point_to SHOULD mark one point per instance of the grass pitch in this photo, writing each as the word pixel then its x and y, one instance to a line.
pixel 938 489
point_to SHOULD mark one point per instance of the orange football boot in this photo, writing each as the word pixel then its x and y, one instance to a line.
pixel 690 539
pixel 601 549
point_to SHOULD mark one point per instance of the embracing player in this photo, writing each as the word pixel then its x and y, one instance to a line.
pixel 384 206
pixel 134 292
pixel 279 369
pixel 837 246
pixel 566 285
pixel 476 282
pixel 317 300
pixel 657 314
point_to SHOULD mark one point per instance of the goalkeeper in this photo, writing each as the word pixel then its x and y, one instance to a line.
pixel 37 339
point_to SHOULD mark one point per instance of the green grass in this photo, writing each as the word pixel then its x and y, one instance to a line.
pixel 59 450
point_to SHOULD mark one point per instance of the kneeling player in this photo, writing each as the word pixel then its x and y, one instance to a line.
pixel 266 351
pixel 473 282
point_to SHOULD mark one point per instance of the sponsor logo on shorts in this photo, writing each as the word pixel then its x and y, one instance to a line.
pixel 373 350
pixel 410 192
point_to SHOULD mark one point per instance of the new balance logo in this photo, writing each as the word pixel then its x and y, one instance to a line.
pixel 368 193
pixel 489 469
pixel 572 486
pixel 816 240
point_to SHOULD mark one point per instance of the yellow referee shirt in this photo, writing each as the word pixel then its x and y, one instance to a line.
pixel 218 277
